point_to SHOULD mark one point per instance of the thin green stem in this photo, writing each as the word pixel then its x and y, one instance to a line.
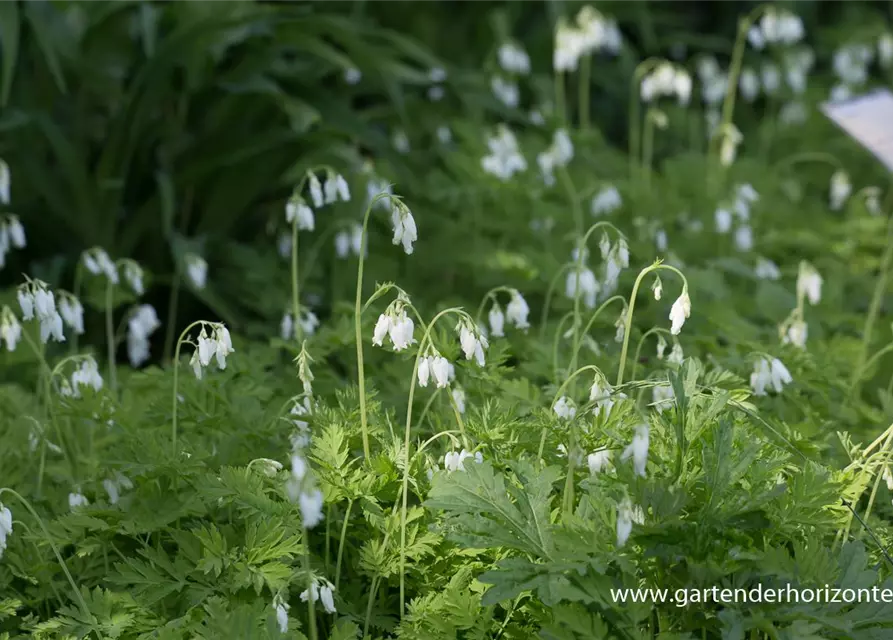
pixel 808 156
pixel 373 588
pixel 77 592
pixel 557 338
pixel 648 148
pixel 311 602
pixel 728 105
pixel 295 286
pixel 631 307
pixel 549 293
pixel 558 394
pixel 874 308
pixel 584 78
pixel 173 300
pixel 651 331
pixel 110 336
pixel 341 543
pixel 174 403
pixel 560 109
pixel 596 313
pixel 358 329
pixel 426 337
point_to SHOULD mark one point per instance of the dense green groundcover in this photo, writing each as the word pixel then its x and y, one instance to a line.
pixel 441 321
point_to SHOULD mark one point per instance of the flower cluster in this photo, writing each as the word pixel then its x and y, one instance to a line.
pixel 591 33
pixel 776 27
pixel 809 283
pixel 143 322
pixel 12 233
pixel 114 485
pixel 405 231
pixel 667 79
pixel 506 91
pixel 97 262
pixel 349 241
pixel 307 323
pixel 726 216
pixel 602 394
pixel 35 297
pixel 627 514
pixel 513 58
pixel 395 324
pixel 322 590
pixel 72 311
pixel 218 344
pixel 435 366
pixel 559 154
pixel 436 75
pixel 86 375
pixel 769 373
pixel 505 158
pixel 605 201
pixel 599 461
pixel 76 500
pixel 472 340
pixel 453 461
pixel 516 313
pixel 565 408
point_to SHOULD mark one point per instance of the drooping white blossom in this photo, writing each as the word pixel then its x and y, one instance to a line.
pixel 454 461
pixel 679 312
pixel 638 450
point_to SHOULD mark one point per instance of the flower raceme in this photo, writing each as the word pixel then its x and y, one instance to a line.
pixel 10 329
pixel 142 323
pixel 565 408
pixel 599 461
pixel 809 283
pixel 97 262
pixel 395 324
pixel 86 375
pixel 196 270
pixel 218 344
pixel 72 312
pixel 453 461
pixel 11 233
pixel 472 341
pixel 405 231
pixel 35 297
pixel 769 373
pixel 322 590
pixel 434 366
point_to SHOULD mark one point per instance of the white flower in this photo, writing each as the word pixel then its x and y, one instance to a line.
pixel 627 514
pixel 352 75
pixel 723 220
pixel 564 408
pixel 382 328
pixel 5 523
pixel 517 310
pixel 223 345
pixel 598 461
pixel 86 375
pixel 796 334
pixel 453 461
pixel 298 212
pixel 497 321
pixel 281 609
pixel 513 59
pixel 506 91
pixel 114 485
pixel 196 270
pixel 589 286
pixel 661 346
pixel 472 342
pixel 676 354
pixel 679 312
pixel 287 327
pixel 196 364
pixel 885 49
pixel 638 449
pixel 458 394
pixel 72 313
pixel 755 38
pixel 840 189
pixel 51 326
pixel 744 238
pixel 320 590
pixel 76 500
pixel 5 182
pixel 10 329
pixel 809 283
pixel 404 226
pixel 308 322
pixel 731 138
pixel 440 371
pixel 769 374
pixel 660 240
pixel 444 135
pixel 749 82
pixel 16 232
pixel 766 269
pixel 311 508
pixel 133 273
pixel 569 44
pixel 605 201
pixel 26 302
pixel 657 288
pixel 315 190
pixel 401 331
pixel 98 262
pixel 424 370
pixel 505 158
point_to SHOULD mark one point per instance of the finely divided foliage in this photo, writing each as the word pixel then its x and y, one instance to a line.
pixel 474 369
